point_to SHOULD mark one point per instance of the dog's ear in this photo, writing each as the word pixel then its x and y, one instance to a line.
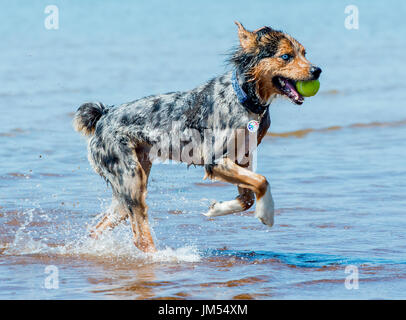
pixel 248 39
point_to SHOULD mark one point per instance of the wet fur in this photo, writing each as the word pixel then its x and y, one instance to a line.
pixel 122 137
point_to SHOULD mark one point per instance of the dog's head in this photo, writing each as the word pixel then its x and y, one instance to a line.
pixel 274 61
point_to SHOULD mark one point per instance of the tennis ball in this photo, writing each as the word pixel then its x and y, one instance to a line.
pixel 308 88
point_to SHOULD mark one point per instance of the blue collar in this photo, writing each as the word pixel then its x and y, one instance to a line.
pixel 242 97
pixel 253 106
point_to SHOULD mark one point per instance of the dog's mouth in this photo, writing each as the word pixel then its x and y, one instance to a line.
pixel 287 87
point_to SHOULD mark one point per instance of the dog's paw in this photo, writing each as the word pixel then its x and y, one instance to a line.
pixel 94 234
pixel 265 208
pixel 223 208
pixel 214 210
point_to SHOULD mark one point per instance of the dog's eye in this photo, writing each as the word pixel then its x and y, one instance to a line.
pixel 285 57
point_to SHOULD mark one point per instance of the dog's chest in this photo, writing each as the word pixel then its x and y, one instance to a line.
pixel 264 125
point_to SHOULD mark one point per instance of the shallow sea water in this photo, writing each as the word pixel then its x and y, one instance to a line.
pixel 336 164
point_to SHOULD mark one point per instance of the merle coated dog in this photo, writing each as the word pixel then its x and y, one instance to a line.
pixel 123 139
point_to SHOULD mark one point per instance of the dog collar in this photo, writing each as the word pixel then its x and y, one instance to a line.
pixel 248 103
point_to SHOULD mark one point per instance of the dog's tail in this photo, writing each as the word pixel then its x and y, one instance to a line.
pixel 87 116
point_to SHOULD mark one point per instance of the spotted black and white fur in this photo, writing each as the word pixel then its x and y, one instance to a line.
pixel 196 127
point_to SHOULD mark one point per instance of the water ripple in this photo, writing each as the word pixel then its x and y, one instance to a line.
pixel 304 260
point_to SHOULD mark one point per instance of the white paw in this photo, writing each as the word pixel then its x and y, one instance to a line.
pixel 223 208
pixel 265 208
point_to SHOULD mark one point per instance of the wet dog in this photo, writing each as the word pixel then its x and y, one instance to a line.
pixel 124 140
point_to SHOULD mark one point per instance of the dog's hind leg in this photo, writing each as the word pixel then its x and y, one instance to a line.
pixel 110 220
pixel 130 187
pixel 227 171
pixel 138 208
pixel 127 172
pixel 242 202
pixel 117 213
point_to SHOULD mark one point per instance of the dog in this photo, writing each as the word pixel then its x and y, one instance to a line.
pixel 266 64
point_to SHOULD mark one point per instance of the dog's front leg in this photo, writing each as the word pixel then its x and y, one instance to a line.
pixel 227 171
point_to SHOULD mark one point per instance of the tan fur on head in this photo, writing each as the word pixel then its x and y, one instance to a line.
pixel 268 68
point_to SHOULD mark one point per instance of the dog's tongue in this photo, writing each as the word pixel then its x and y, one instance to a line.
pixel 290 86
pixel 292 93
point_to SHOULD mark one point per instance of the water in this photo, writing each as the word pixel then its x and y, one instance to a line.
pixel 336 164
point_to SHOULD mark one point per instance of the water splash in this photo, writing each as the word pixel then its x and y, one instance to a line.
pixel 23 242
pixel 112 245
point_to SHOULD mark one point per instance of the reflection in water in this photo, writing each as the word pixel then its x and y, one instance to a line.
pixel 140 282
pixel 304 260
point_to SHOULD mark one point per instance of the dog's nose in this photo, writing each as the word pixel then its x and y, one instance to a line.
pixel 315 71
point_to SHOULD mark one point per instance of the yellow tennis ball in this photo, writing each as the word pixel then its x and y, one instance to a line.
pixel 308 88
